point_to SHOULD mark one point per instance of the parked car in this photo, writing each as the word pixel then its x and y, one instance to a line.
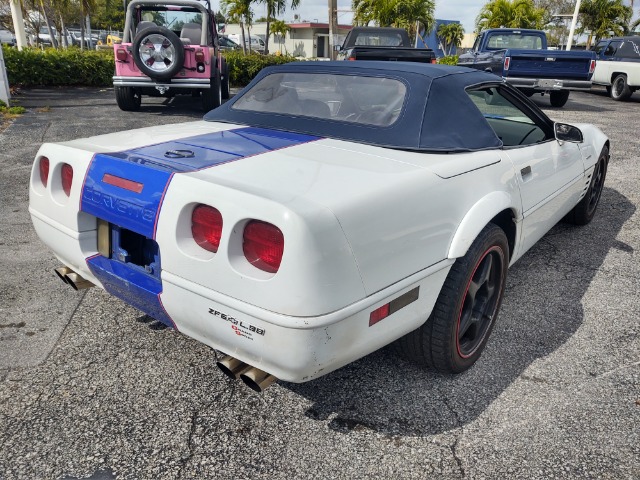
pixel 328 209
pixel 227 44
pixel 257 44
pixel 155 60
pixel 521 57
pixel 382 43
pixel 7 38
pixel 618 66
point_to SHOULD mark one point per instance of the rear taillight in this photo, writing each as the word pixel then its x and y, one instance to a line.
pixel 434 60
pixel 66 176
pixel 507 62
pixel 206 227
pixel 121 54
pixel 263 245
pixel 44 170
pixel 592 66
pixel 199 56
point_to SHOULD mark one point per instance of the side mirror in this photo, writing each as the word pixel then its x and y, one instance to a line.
pixel 567 133
pixel 337 48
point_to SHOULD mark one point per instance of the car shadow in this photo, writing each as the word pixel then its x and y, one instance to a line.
pixel 542 309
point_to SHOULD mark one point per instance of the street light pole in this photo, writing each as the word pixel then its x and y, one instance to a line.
pixel 333 27
pixel 574 20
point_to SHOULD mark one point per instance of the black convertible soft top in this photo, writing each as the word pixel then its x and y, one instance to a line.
pixel 437 114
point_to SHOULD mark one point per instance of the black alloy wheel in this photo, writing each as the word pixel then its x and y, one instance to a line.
pixel 620 88
pixel 456 332
pixel 585 210
pixel 158 52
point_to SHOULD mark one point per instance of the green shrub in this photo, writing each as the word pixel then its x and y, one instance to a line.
pixel 243 68
pixel 449 60
pixel 16 110
pixel 2 104
pixel 50 67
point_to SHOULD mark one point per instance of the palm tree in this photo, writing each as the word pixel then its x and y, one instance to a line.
pixel 275 7
pixel 239 11
pixel 510 14
pixel 450 35
pixel 604 18
pixel 278 27
pixel 394 13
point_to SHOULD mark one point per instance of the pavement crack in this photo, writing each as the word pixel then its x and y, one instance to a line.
pixel 55 345
pixel 460 431
pixel 622 367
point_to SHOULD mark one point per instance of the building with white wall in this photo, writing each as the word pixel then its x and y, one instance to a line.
pixel 305 40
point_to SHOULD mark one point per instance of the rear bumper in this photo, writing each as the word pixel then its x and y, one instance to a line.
pixel 547 84
pixel 294 349
pixel 120 81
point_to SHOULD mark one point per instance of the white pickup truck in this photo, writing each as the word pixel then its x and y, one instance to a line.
pixel 618 66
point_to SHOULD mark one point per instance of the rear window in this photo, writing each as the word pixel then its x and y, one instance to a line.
pixel 379 40
pixel 347 98
pixel 514 40
pixel 629 49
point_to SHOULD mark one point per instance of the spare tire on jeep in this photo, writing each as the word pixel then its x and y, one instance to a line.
pixel 158 52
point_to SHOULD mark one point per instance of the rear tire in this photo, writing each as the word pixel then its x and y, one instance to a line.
pixel 558 98
pixel 128 99
pixel 212 97
pixel 225 82
pixel 620 90
pixel 584 211
pixel 454 336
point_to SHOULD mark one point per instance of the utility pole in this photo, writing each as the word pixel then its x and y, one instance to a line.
pixel 18 23
pixel 333 27
pixel 574 20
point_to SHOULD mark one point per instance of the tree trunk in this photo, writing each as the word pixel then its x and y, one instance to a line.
pixel 244 42
pixel 52 37
pixel 266 40
pixel 82 35
pixel 249 33
pixel 63 29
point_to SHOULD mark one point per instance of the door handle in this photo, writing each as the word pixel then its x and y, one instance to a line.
pixel 526 171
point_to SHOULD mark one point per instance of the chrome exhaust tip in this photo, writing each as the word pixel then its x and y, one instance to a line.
pixel 77 281
pixel 232 367
pixel 62 272
pixel 257 380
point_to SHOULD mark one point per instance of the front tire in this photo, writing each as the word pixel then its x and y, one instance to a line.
pixel 454 336
pixel 128 99
pixel 620 90
pixel 558 98
pixel 584 211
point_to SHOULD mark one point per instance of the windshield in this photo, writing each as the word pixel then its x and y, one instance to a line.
pixel 382 39
pixel 346 98
pixel 502 41
pixel 172 19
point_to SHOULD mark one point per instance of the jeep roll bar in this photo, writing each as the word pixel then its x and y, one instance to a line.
pixel 128 24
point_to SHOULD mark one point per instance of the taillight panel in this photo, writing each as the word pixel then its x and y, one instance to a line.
pixel 206 227
pixel 43 166
pixel 66 178
pixel 263 245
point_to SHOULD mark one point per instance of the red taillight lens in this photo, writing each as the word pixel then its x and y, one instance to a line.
pixel 44 170
pixel 592 66
pixel 507 62
pixel 434 60
pixel 206 227
pixel 66 175
pixel 263 245
pixel 379 314
pixel 121 54
pixel 199 56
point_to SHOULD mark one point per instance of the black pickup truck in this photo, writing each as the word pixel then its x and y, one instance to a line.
pixel 390 44
pixel 521 58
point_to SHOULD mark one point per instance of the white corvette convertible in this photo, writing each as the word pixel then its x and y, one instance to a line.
pixel 327 210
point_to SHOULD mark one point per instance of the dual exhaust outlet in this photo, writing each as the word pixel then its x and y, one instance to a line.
pixel 233 368
pixel 253 377
pixel 75 280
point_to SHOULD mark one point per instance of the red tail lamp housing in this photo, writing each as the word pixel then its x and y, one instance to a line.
pixel 199 56
pixel 592 66
pixel 507 62
pixel 121 54
pixel 263 245
pixel 66 176
pixel 44 170
pixel 206 227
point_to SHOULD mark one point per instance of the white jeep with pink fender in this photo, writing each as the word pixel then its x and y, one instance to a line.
pixel 169 47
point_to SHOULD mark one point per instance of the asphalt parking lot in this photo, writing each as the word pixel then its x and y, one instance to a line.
pixel 90 387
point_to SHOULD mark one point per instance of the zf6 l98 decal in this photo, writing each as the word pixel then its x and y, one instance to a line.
pixel 239 327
